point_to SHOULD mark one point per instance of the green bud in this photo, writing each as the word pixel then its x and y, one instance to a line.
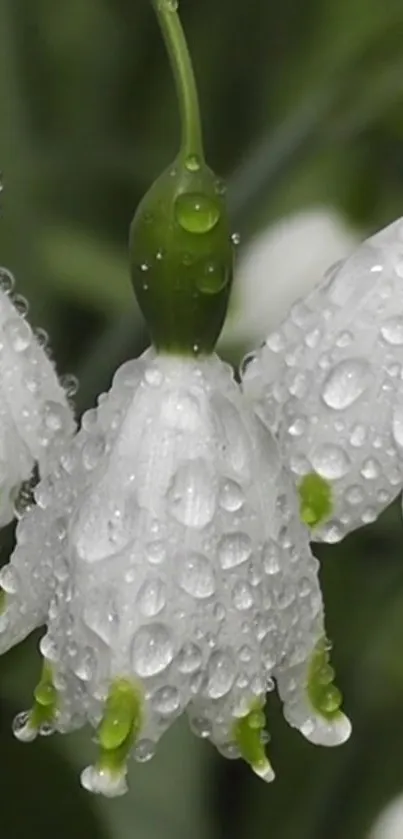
pixel 182 258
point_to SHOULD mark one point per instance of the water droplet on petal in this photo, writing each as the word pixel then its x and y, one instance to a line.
pixel 197 576
pixel 189 658
pixel 18 333
pixel 196 213
pixel 346 383
pixel 330 462
pixel 69 384
pixel 397 425
pixel 192 494
pixel 21 304
pixel 6 281
pixel 152 650
pixel 231 496
pixel 234 549
pixel 166 701
pixel 152 597
pixel 192 162
pixel 221 672
pixel 392 331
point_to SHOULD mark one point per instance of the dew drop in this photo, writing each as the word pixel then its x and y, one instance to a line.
pixel 197 576
pixel 144 750
pixel 189 658
pixel 221 672
pixel 392 331
pixel 196 213
pixel 166 701
pixel 21 304
pixel 242 595
pixel 69 384
pixel 370 469
pixel 9 579
pixel 191 495
pixel 6 281
pixel 92 451
pixel 346 383
pixel 156 552
pixel 18 333
pixel 152 650
pixel 330 462
pixel 192 162
pixel 151 598
pixel 231 496
pixel 234 549
pixel 236 239
pixel 213 278
pixel 271 558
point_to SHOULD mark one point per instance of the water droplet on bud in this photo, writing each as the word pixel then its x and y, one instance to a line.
pixel 196 213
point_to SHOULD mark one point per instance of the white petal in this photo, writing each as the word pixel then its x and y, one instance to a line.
pixel 283 262
pixel 34 414
pixel 329 383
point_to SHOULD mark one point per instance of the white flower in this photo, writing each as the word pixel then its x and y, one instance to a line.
pixel 281 263
pixel 328 383
pixel 167 557
pixel 34 413
pixel 389 824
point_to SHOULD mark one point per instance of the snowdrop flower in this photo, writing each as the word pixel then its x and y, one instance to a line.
pixel 328 383
pixel 34 412
pixel 282 263
pixel 389 824
pixel 165 551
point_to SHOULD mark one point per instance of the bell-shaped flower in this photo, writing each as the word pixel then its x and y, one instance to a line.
pixel 176 574
pixel 34 410
pixel 328 383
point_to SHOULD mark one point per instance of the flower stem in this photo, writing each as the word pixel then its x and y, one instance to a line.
pixel 175 40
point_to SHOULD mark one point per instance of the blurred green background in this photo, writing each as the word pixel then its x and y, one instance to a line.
pixel 303 105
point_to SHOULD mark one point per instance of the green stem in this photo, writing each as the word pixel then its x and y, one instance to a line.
pixel 175 41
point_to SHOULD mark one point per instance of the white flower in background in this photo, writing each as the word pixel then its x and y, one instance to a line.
pixel 329 384
pixel 166 555
pixel 282 263
pixel 34 412
pixel 389 824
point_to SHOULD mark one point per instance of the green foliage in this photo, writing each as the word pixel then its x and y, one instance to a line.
pixel 302 103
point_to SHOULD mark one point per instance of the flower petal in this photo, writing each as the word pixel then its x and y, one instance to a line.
pixel 329 385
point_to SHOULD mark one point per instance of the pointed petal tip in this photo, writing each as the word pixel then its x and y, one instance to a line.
pixel 324 731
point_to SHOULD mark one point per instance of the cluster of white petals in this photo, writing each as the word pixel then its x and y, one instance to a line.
pixel 328 383
pixel 165 552
pixel 35 415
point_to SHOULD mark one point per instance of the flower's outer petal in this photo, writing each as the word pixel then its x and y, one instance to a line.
pixel 34 411
pixel 329 385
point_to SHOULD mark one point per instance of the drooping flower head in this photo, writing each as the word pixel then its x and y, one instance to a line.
pixel 165 551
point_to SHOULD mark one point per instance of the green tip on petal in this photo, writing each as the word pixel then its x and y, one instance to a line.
pixel 316 502
pixel 325 697
pixel 248 734
pixel 41 717
pixel 120 726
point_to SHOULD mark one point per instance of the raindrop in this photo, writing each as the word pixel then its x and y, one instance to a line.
pixel 6 281
pixel 152 650
pixel 221 672
pixel 234 549
pixel 19 334
pixel 151 598
pixel 242 596
pixel 191 495
pixel 236 239
pixel 330 462
pixel 231 496
pixel 166 701
pixel 392 331
pixel 69 384
pixel 21 304
pixel 197 576
pixel 189 658
pixel 213 278
pixel 196 213
pixel 397 425
pixel 192 162
pixel 346 383
pixel 370 469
